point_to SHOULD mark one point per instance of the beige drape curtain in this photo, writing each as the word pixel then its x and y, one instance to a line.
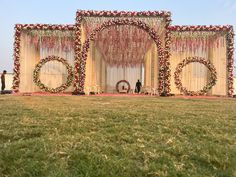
pixel 100 76
pixel 103 76
pixel 52 74
pixel 218 57
pixel 29 57
pixel 195 75
pixel 95 80
pixel 130 74
pixel 151 68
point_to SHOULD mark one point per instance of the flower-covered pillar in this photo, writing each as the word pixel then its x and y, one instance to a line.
pixel 167 54
pixel 230 57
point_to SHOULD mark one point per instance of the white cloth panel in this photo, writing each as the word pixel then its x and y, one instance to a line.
pixel 195 75
pixel 95 80
pixel 103 77
pixel 219 59
pixel 9 81
pixel 151 68
pixel 148 71
pixel 115 74
pixel 29 57
pixel 53 74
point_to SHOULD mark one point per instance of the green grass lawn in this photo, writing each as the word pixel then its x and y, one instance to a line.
pixel 117 136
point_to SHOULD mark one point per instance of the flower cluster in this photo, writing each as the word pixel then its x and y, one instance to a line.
pixel 94 13
pixel 78 46
pixel 44 27
pixel 230 45
pixel 209 28
pixel 179 68
pixel 167 55
pixel 107 24
pixel 36 75
pixel 18 30
pixel 230 57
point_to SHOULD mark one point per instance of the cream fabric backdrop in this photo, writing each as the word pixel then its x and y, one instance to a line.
pixel 103 77
pixel 29 57
pixel 131 74
pixel 195 75
pixel 52 74
pixel 218 57
pixel 95 80
pixel 151 68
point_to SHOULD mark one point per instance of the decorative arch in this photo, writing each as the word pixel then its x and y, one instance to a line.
pixel 152 33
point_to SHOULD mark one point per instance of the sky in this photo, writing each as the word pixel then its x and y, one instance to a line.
pixel 184 12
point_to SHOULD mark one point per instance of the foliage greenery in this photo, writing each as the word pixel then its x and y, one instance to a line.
pixel 116 136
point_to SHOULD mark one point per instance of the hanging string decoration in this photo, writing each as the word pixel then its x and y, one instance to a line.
pixel 123 45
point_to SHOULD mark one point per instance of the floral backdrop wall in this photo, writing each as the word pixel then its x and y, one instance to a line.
pixel 136 27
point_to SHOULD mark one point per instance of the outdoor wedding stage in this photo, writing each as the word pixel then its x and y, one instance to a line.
pixel 106 52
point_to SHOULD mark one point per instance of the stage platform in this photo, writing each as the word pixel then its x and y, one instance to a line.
pixel 118 95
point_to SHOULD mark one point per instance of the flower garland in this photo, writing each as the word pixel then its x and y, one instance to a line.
pixel 107 24
pixel 167 55
pixel 230 57
pixel 210 28
pixel 78 46
pixel 18 30
pixel 61 88
pixel 94 13
pixel 122 81
pixel 228 29
pixel 179 68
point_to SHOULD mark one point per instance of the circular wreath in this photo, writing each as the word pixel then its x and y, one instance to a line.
pixel 210 84
pixel 122 81
pixel 38 82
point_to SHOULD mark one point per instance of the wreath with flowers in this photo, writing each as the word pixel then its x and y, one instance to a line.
pixel 36 75
pixel 122 82
pixel 210 84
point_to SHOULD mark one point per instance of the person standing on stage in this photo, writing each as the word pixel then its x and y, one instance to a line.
pixel 138 86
